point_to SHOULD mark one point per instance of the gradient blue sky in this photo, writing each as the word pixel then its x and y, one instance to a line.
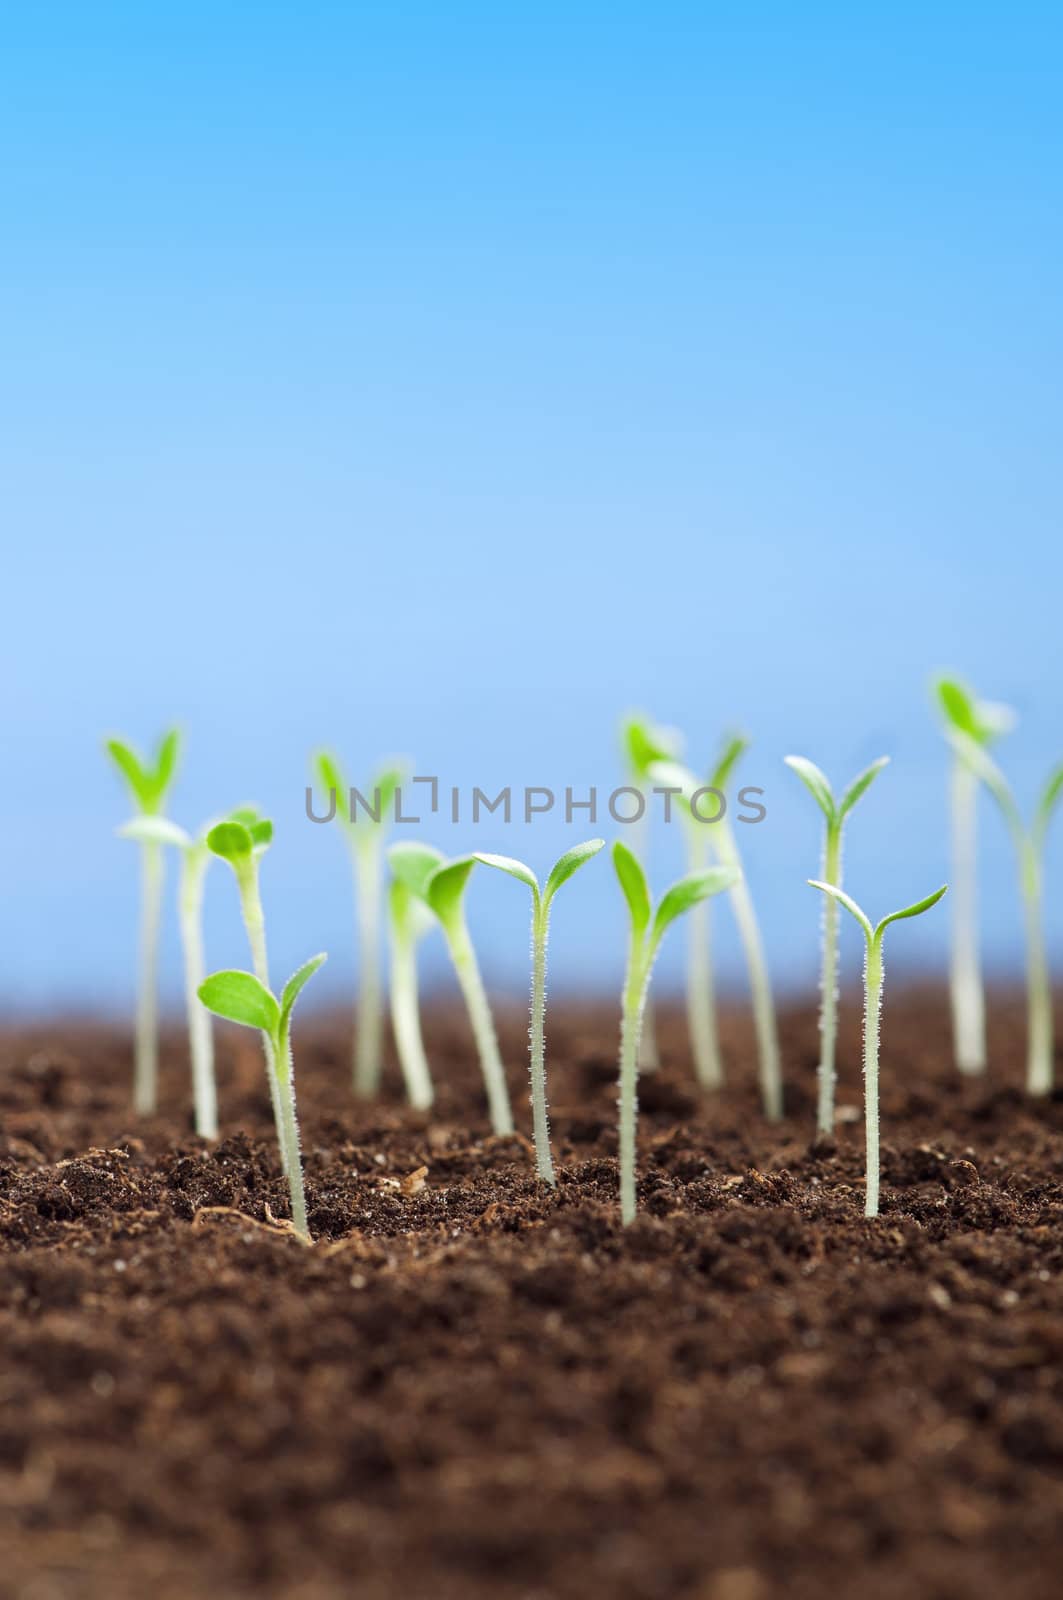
pixel 444 379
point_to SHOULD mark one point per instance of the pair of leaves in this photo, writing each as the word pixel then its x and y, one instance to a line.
pixel 330 775
pixel 241 997
pixel 684 894
pixel 981 763
pixel 562 869
pixel 980 720
pixel 874 934
pixel 243 836
pixel 148 781
pixel 645 742
pixel 428 874
pixel 669 774
pixel 818 786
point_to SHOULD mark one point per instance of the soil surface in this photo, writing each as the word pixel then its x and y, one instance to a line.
pixel 473 1387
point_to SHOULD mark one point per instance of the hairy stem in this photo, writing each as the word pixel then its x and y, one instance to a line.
pixel 288 1131
pixel 255 923
pixel 770 1070
pixel 965 975
pixel 1039 1064
pixel 369 1015
pixel 406 1016
pixel 200 1032
pixel 649 1059
pixel 472 988
pixel 828 986
pixel 873 975
pixel 537 1037
pixel 146 1069
pixel 701 1001
pixel 636 983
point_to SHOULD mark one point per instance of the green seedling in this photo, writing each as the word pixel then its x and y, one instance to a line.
pixel 242 997
pixel 644 742
pixel 440 885
pixel 195 858
pixel 873 976
pixel 542 901
pixel 647 930
pixel 1030 848
pixel 718 837
pixel 983 721
pixel 408 919
pixel 242 840
pixel 148 784
pixel 365 829
pixel 835 813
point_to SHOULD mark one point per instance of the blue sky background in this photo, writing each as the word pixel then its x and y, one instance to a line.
pixel 445 379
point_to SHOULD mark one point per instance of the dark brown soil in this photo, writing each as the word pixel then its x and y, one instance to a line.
pixel 470 1387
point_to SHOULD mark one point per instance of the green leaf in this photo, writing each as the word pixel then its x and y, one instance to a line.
pixel 912 911
pixel 980 720
pixel 261 834
pixel 1048 802
pixel 815 782
pixel 734 746
pixel 633 883
pixel 860 785
pixel 570 862
pixel 515 868
pixel 413 864
pixel 240 997
pixel 387 781
pixel 166 763
pixel 132 770
pixel 155 830
pixel 696 886
pixel 645 741
pixel 326 769
pixel 232 841
pixel 446 886
pixel 248 815
pixel 849 903
pixel 295 985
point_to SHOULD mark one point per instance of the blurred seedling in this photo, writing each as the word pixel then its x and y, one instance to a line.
pixel 542 902
pixel 364 823
pixel 647 930
pixel 874 972
pixel 440 885
pixel 148 783
pixel 835 813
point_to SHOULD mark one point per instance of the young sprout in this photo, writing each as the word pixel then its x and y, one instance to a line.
pixel 440 884
pixel 195 857
pixel 408 919
pixel 647 930
pixel 983 721
pixel 835 813
pixel 645 742
pixel 242 997
pixel 148 784
pixel 542 900
pixel 365 829
pixel 1030 846
pixel 242 840
pixel 873 975
pixel 722 842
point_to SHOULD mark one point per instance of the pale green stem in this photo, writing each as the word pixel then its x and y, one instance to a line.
pixel 255 923
pixel 369 1015
pixel 288 1130
pixel 873 975
pixel 405 1014
pixel 965 976
pixel 828 989
pixel 146 1069
pixel 636 984
pixel 701 1003
pixel 472 988
pixel 1039 1045
pixel 770 1071
pixel 537 1036
pixel 649 1056
pixel 194 862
